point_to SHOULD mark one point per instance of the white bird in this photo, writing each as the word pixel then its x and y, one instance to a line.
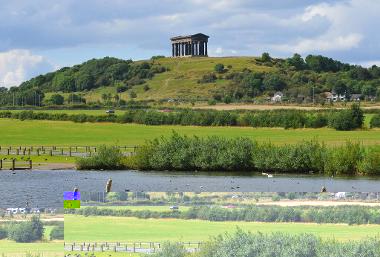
pixel 266 174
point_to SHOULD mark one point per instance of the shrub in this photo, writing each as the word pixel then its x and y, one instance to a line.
pixel 3 233
pixel 208 78
pixel 219 68
pixel 171 250
pixel 347 119
pixel 26 231
pixel 344 160
pixel 107 157
pixel 375 121
pixel 132 94
pixel 370 164
pixel 57 233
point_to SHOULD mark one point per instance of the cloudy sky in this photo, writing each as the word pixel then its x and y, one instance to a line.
pixel 42 35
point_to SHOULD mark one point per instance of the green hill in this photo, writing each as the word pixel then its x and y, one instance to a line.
pixel 112 81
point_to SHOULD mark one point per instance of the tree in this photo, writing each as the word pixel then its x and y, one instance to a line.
pixel 26 231
pixel 297 62
pixel 57 99
pixel 265 57
pixel 273 81
pixel 219 68
pixel 347 119
pixel 369 90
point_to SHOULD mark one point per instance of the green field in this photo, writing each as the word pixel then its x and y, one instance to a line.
pixel 79 228
pixel 35 132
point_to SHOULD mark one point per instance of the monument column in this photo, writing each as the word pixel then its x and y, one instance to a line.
pixel 172 50
pixel 206 49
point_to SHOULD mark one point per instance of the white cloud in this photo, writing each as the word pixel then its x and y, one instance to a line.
pixel 19 64
pixel 323 43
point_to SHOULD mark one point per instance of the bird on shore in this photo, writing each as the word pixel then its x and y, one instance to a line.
pixel 266 174
pixel 109 185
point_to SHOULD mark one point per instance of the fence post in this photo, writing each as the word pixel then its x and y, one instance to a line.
pixel 51 152
pixel 17 151
pixel 1 164
pixel 13 164
pixel 8 151
pixel 30 164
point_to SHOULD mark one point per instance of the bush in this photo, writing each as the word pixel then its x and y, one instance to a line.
pixel 57 233
pixel 25 232
pixel 171 250
pixel 219 68
pixel 208 78
pixel 107 157
pixel 344 160
pixel 375 121
pixel 347 119
pixel 3 233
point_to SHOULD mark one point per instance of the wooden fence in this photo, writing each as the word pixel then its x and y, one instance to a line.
pixel 78 151
pixel 16 165
pixel 132 247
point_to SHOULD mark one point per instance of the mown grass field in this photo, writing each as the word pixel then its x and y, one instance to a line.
pixel 100 228
pixel 35 132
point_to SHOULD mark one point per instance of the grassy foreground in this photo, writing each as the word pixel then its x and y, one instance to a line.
pixel 79 228
pixel 35 132
pixel 48 249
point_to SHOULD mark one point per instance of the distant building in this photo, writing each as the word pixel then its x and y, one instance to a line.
pixel 334 97
pixel 191 45
pixel 356 97
pixel 277 97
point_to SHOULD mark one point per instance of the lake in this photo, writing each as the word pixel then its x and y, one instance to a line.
pixel 45 188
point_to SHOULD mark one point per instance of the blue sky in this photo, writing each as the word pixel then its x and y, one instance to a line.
pixel 42 35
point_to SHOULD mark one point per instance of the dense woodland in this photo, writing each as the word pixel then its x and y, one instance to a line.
pixel 300 79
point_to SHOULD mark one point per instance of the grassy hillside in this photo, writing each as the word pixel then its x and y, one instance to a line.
pixel 111 81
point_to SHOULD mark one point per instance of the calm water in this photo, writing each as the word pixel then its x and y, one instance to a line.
pixel 44 188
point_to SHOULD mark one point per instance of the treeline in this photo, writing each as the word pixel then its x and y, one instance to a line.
pixel 242 154
pixel 244 244
pixel 253 213
pixel 123 74
pixel 23 232
pixel 339 119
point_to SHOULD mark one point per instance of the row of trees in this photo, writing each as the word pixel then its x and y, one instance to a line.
pixel 258 213
pixel 338 119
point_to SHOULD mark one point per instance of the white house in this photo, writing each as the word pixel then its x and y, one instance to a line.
pixel 334 97
pixel 277 97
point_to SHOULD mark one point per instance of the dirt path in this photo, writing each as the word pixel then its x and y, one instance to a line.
pixel 53 166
